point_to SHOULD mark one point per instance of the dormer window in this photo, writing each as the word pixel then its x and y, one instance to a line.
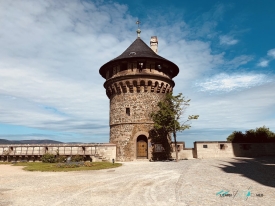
pixel 158 66
pixel 132 53
pixel 141 65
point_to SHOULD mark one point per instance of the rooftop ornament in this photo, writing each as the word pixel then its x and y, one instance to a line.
pixel 138 30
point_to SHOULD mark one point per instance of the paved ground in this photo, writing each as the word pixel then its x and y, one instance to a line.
pixel 188 182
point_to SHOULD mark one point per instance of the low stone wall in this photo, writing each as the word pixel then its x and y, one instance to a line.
pixel 93 152
pixel 253 149
pixel 186 153
pixel 107 152
pixel 183 153
pixel 215 149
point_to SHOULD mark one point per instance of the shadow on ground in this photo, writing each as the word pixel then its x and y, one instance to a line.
pixel 260 169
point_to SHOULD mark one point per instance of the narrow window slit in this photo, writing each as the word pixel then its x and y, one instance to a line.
pixel 128 111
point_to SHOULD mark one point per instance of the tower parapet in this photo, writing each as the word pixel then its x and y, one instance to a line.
pixel 135 82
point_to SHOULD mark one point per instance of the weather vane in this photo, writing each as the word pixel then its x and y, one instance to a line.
pixel 138 30
pixel 138 23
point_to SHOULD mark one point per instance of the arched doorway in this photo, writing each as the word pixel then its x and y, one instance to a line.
pixel 142 147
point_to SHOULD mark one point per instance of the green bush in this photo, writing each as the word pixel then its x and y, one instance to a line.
pixel 74 164
pixel 88 164
pixel 77 158
pixel 48 158
pixel 69 165
pixel 61 159
pixel 258 135
pixel 63 165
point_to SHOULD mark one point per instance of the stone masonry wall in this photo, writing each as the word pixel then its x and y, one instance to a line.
pixel 140 105
pixel 123 136
pixel 124 127
pixel 227 149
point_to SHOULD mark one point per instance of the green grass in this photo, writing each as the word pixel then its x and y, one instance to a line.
pixel 4 163
pixel 51 167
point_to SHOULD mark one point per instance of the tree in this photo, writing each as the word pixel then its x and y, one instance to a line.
pixel 159 136
pixel 167 118
pixel 258 135
pixel 236 135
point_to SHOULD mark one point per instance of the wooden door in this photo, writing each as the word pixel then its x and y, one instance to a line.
pixel 141 148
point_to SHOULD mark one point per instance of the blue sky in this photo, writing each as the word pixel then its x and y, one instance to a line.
pixel 51 51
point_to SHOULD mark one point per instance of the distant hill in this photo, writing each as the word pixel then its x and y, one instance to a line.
pixel 74 143
pixel 45 141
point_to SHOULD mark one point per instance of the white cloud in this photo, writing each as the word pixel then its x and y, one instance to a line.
pixel 263 63
pixel 228 40
pixel 271 53
pixel 226 83
pixel 238 61
pixel 270 56
pixel 50 58
pixel 193 58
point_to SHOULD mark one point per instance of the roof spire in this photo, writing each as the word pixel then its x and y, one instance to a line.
pixel 138 30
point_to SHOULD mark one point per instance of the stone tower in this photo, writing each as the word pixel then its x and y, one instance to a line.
pixel 135 82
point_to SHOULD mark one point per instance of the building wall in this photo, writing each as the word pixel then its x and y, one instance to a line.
pixel 140 95
pixel 212 149
pixel 253 149
pixel 96 152
pixel 183 153
pixel 124 128
pixel 227 149
pixel 141 104
pixel 116 70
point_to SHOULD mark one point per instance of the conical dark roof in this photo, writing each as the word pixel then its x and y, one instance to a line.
pixel 139 49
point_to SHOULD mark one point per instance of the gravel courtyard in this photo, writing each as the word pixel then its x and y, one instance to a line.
pixel 226 181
